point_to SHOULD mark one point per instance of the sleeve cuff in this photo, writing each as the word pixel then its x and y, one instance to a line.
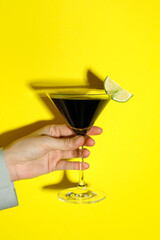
pixel 8 197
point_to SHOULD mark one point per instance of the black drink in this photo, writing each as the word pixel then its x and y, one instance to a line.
pixel 80 113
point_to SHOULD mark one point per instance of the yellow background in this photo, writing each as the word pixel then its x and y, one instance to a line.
pixel 59 41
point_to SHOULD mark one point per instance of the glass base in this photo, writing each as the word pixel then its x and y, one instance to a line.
pixel 81 195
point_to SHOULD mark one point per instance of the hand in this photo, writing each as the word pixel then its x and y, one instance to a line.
pixel 42 151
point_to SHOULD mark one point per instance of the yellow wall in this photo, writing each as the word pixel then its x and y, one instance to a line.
pixel 60 41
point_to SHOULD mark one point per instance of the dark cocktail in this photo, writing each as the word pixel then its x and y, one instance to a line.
pixel 80 107
pixel 80 113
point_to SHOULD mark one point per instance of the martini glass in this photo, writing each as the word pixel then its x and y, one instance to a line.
pixel 80 107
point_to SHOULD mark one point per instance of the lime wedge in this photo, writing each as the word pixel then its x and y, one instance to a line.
pixel 117 93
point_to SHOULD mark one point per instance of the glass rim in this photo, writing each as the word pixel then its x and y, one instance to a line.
pixel 74 92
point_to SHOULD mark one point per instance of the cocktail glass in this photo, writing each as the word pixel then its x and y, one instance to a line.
pixel 80 107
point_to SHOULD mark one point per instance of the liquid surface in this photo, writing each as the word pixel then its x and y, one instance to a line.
pixel 80 113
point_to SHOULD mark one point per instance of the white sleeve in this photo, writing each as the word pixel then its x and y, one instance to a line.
pixel 8 197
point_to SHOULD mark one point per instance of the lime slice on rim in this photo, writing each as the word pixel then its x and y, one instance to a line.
pixel 117 93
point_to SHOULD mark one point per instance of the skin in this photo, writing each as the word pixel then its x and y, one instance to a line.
pixel 47 150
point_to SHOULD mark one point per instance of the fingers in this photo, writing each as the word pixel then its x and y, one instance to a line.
pixel 89 141
pixel 64 131
pixel 95 131
pixel 52 137
pixel 75 154
pixel 50 143
pixel 66 165
pixel 55 131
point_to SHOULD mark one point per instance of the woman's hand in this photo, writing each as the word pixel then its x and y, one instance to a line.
pixel 46 150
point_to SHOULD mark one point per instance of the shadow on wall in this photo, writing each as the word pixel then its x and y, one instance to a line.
pixel 65 182
pixel 92 81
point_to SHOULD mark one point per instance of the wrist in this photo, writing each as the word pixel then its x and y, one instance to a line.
pixel 10 165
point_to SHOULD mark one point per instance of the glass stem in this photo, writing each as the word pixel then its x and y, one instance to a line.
pixel 81 171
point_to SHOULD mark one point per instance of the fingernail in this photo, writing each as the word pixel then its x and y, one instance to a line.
pixel 85 165
pixel 100 130
pixel 93 142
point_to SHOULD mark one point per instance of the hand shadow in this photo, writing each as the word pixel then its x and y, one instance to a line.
pixel 65 182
